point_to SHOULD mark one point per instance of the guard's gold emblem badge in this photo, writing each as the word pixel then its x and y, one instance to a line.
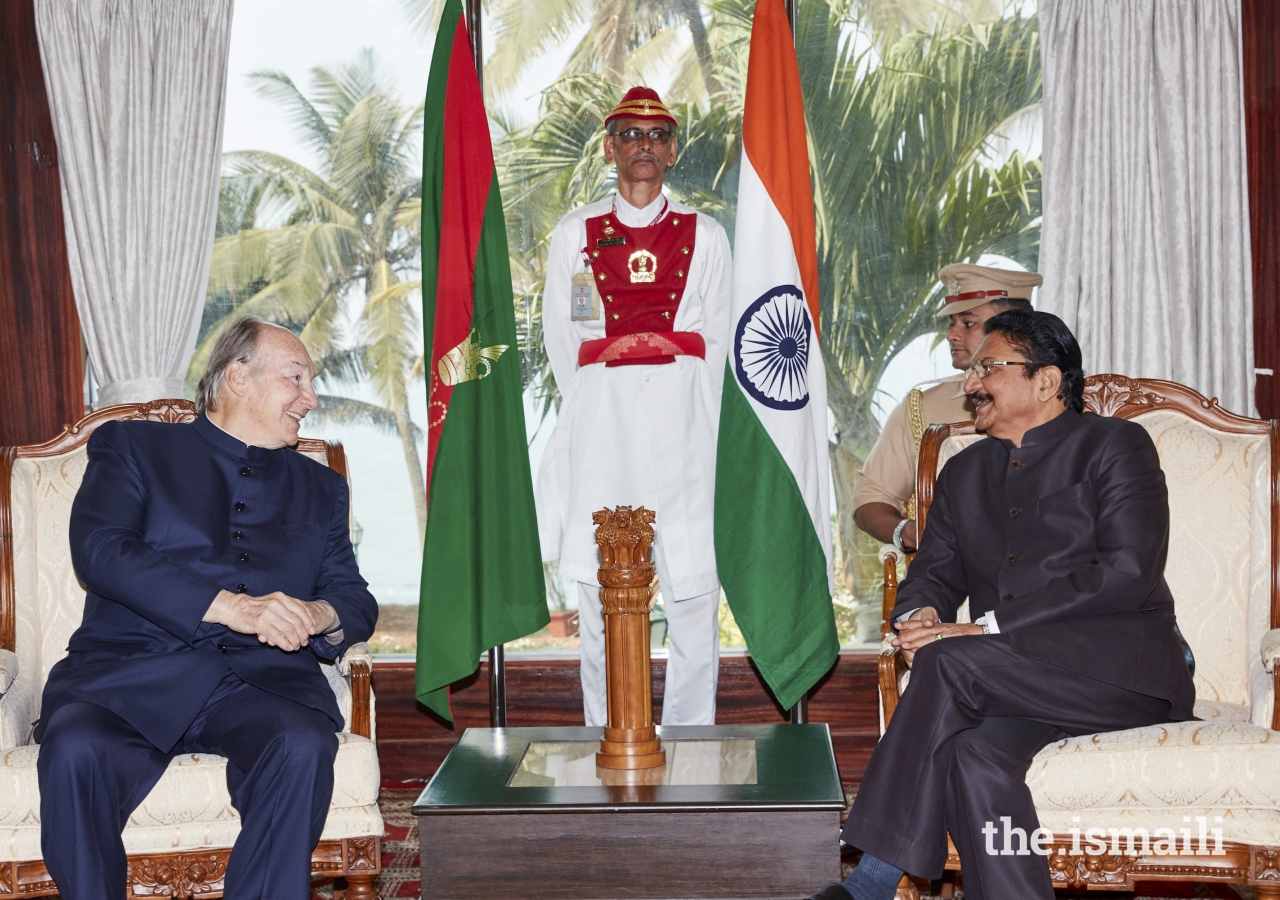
pixel 643 266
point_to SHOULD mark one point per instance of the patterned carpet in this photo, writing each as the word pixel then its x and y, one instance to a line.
pixel 401 876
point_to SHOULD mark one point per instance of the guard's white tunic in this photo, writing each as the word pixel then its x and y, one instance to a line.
pixel 637 435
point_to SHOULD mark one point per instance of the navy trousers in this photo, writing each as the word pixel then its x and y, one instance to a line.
pixel 95 769
pixel 956 755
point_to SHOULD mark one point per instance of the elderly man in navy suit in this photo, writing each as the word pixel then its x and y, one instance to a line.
pixel 219 572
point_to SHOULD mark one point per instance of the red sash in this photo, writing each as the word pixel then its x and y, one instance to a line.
pixel 641 274
pixel 643 347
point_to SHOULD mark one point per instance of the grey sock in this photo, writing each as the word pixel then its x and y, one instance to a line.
pixel 873 879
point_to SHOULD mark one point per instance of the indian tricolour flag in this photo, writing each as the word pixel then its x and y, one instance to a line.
pixel 772 515
pixel 482 581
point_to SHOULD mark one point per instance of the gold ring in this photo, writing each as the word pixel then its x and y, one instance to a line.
pixel 938 636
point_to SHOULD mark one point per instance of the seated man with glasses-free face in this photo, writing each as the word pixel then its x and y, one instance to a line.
pixel 1056 529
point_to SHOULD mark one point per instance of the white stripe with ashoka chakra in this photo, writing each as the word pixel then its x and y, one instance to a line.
pixel 770 316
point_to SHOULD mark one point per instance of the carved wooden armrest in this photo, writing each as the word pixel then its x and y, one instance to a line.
pixel 8 669
pixel 891 557
pixel 892 666
pixel 1270 653
pixel 1271 648
pixel 356 666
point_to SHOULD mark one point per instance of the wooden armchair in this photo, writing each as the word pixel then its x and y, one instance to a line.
pixel 180 838
pixel 1222 772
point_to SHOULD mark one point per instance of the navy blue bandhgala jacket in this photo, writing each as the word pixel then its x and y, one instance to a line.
pixel 166 517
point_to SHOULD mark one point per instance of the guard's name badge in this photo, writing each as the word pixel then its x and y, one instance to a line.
pixel 586 299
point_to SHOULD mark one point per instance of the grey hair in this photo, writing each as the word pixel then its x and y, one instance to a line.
pixel 236 344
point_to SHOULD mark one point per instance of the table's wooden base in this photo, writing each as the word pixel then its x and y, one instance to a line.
pixel 638 856
pixel 766 823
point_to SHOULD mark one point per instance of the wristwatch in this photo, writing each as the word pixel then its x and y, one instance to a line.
pixel 897 535
pixel 986 629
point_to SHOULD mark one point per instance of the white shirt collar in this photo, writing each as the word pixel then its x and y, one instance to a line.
pixel 633 217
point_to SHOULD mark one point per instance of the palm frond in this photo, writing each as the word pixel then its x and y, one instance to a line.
pixel 276 85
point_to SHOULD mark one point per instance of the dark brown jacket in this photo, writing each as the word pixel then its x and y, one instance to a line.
pixel 1065 539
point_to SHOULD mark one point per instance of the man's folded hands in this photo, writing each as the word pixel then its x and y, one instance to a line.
pixel 924 627
pixel 276 618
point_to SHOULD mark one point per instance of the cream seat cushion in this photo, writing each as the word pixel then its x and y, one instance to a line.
pixel 1222 768
pixel 189 807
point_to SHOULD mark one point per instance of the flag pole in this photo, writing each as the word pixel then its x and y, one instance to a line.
pixel 497 658
pixel 799 712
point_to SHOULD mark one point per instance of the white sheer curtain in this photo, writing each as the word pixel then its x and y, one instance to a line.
pixel 1145 243
pixel 137 89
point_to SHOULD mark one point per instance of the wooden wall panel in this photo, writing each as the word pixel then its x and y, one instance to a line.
pixel 412 742
pixel 41 381
pixel 1261 35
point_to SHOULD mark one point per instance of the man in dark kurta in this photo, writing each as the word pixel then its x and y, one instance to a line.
pixel 1056 529
pixel 219 569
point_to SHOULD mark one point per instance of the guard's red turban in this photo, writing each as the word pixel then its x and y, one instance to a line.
pixel 641 103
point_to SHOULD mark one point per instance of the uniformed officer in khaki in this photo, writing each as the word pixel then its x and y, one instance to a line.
pixel 884 490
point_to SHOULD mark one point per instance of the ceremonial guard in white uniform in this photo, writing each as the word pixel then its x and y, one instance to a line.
pixel 636 322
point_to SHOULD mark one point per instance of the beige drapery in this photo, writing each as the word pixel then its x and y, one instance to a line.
pixel 1145 242
pixel 137 91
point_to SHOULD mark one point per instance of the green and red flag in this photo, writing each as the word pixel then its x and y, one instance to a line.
pixel 482 581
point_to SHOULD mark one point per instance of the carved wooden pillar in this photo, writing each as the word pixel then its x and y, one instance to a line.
pixel 626 592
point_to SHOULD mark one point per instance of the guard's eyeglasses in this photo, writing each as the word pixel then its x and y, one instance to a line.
pixel 658 136
pixel 982 368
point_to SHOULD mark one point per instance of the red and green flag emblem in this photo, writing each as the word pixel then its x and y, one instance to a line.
pixel 482 581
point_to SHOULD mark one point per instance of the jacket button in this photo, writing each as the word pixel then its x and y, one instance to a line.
pixel 1017 464
pixel 245 470
pixel 241 589
pixel 244 557
pixel 1005 598
pixel 1014 512
pixel 222 648
pixel 1012 558
pixel 239 535
pixel 239 506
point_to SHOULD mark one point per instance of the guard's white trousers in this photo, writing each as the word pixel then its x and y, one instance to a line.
pixel 693 655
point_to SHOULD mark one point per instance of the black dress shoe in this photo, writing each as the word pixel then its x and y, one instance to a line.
pixel 834 891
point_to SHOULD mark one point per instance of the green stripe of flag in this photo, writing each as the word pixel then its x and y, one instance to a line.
pixel 777 590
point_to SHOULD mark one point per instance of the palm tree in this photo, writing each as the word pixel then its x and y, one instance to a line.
pixel 309 248
pixel 900 132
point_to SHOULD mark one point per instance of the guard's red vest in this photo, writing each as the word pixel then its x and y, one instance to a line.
pixel 641 274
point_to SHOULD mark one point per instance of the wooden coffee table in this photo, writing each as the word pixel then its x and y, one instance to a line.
pixel 738 811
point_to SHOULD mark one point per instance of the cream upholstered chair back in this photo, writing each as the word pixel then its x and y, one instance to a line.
pixel 1218 470
pixel 45 602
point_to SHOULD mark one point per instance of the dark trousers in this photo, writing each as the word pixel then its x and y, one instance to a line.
pixel 956 754
pixel 95 769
